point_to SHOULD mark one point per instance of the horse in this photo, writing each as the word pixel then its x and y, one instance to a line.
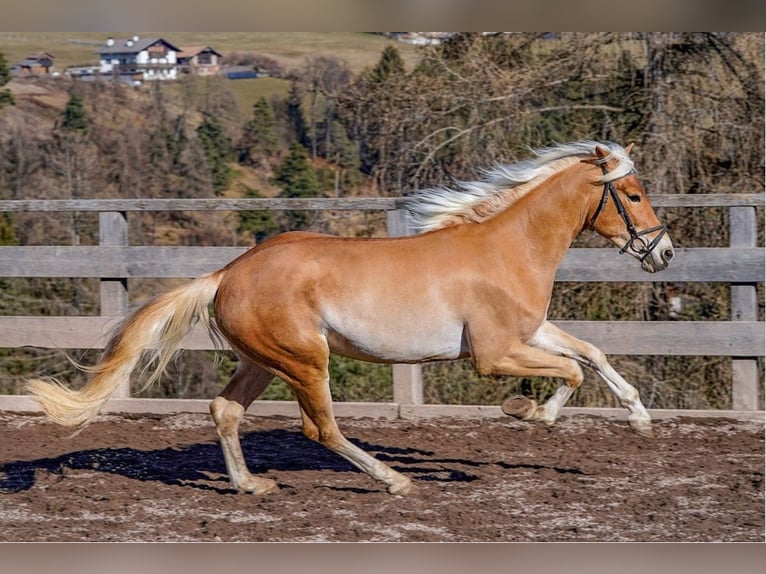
pixel 475 282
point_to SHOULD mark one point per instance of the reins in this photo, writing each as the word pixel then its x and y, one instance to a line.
pixel 645 247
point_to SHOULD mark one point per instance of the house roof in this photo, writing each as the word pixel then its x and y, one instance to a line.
pixel 34 59
pixel 130 46
pixel 191 51
pixel 40 55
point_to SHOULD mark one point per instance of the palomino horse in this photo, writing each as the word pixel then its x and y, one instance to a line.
pixel 476 283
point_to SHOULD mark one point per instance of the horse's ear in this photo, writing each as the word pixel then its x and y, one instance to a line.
pixel 628 148
pixel 601 153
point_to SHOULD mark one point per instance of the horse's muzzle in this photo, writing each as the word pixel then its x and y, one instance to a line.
pixel 659 257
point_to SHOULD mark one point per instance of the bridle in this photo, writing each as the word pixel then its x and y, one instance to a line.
pixel 644 248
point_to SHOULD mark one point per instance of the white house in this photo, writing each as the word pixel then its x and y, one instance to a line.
pixel 139 59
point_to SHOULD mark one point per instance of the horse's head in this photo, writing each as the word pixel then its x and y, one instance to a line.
pixel 621 212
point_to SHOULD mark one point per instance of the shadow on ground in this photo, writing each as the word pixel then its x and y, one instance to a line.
pixel 201 465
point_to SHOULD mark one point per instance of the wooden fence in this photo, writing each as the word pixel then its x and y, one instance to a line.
pixel 114 261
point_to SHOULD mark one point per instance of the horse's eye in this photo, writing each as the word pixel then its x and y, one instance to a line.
pixel 634 198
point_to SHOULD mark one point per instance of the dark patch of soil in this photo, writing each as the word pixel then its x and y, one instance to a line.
pixel 162 478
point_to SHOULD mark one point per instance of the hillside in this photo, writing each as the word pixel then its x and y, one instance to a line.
pixel 126 153
pixel 290 49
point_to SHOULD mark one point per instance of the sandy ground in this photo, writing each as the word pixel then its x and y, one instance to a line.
pixel 162 478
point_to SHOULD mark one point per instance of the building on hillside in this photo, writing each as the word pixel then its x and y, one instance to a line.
pixel 239 72
pixel 34 65
pixel 139 59
pixel 421 38
pixel 199 60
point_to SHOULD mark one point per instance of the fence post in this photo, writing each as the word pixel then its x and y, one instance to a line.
pixel 113 231
pixel 744 307
pixel 408 379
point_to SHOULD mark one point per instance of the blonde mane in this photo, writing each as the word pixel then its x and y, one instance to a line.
pixel 475 201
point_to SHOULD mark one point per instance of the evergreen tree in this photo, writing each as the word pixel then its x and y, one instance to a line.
pixel 390 64
pixel 216 147
pixel 297 178
pixel 5 73
pixel 261 224
pixel 167 143
pixel 259 136
pixel 340 150
pixel 366 109
pixel 295 119
pixel 70 152
pixel 6 98
pixel 75 119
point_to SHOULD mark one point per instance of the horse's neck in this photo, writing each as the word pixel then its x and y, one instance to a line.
pixel 546 220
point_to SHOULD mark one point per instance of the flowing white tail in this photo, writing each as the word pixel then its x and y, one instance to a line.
pixel 150 336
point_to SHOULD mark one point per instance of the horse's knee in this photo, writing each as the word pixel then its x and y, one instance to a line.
pixel 596 358
pixel 575 377
pixel 226 414
pixel 217 406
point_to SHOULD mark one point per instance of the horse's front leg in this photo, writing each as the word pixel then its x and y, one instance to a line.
pixel 553 340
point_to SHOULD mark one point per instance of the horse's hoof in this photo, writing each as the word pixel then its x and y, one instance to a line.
pixel 401 487
pixel 519 407
pixel 255 485
pixel 643 428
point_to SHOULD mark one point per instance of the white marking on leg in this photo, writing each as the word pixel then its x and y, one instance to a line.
pixel 549 412
pixel 628 396
pixel 397 482
pixel 227 415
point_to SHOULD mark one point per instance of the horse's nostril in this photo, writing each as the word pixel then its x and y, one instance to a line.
pixel 667 255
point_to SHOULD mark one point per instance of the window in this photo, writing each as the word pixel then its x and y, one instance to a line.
pixel 158 50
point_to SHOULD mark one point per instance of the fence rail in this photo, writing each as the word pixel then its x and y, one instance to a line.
pixel 323 204
pixel 113 261
pixel 729 265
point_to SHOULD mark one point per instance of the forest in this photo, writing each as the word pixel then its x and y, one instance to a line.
pixel 693 104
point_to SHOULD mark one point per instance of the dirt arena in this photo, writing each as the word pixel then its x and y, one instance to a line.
pixel 162 478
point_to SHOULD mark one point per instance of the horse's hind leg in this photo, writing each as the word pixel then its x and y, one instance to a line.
pixel 227 409
pixel 319 424
pixel 309 380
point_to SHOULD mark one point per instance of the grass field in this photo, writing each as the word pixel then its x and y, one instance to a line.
pixel 291 49
pixel 247 92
